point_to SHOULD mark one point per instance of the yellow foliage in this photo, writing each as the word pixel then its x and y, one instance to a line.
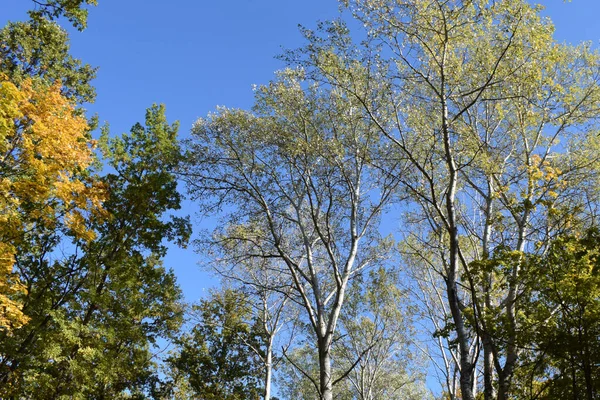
pixel 44 148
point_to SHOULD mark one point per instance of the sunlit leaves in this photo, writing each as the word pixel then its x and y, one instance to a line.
pixel 45 149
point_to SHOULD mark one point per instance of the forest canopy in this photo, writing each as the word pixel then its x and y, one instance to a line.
pixel 465 122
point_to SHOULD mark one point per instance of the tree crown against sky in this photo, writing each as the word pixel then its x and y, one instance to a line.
pixel 529 198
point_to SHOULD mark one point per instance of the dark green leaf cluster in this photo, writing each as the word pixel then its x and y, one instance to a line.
pixel 39 49
pixel 563 319
pixel 74 11
pixel 219 356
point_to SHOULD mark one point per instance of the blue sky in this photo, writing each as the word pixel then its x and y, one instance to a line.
pixel 193 55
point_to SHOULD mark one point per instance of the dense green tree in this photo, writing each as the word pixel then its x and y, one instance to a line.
pixel 220 357
pixel 561 318
pixel 39 49
pixel 98 306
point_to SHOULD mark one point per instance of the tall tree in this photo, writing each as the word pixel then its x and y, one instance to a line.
pixel 45 149
pixel 297 182
pixel 87 248
pixel 476 95
pixel 44 143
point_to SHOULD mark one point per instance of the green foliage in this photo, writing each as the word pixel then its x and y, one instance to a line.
pixel 475 97
pixel 96 294
pixel 562 320
pixel 145 162
pixel 97 308
pixel 40 49
pixel 74 11
pixel 559 319
pixel 217 358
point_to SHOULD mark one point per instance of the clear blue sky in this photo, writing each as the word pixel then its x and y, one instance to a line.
pixel 193 55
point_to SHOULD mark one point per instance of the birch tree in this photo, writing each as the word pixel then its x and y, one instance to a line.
pixel 477 96
pixel 294 182
pixel 266 287
pixel 377 334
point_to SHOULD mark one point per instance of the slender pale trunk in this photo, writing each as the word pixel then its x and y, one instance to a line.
pixel 268 370
pixel 488 368
pixel 505 376
pixel 466 364
pixel 488 352
pixel 324 340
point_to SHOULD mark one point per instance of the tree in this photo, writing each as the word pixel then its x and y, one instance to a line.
pixel 74 10
pixel 217 358
pixel 40 176
pixel 98 308
pixel 373 349
pixel 560 319
pixel 376 334
pixel 39 49
pixel 45 149
pixel 430 304
pixel 295 377
pixel 87 247
pixel 266 288
pixel 475 95
pixel 298 187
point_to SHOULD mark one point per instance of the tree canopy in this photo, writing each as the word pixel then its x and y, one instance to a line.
pixel 413 198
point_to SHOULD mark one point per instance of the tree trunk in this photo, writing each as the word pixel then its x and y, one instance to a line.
pixel 466 364
pixel 325 380
pixel 505 376
pixel 269 371
pixel 488 350
pixel 488 369
pixel 587 365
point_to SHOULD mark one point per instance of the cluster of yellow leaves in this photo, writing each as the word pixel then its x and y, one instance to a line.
pixel 44 148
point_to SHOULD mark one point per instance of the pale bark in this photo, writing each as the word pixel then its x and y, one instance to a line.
pixel 268 371
pixel 325 376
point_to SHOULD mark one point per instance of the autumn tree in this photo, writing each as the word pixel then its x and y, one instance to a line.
pixel 39 175
pixel 86 246
pixel 100 305
pixel 45 149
